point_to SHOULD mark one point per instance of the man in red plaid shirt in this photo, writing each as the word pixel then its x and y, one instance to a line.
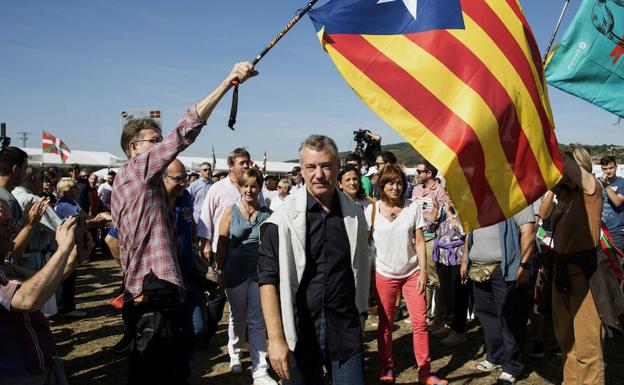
pixel 147 242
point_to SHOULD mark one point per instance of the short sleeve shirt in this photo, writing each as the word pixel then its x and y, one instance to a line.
pixel 395 241
pixel 613 216
pixel 26 343
pixel 486 244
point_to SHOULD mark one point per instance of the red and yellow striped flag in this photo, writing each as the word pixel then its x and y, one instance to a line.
pixel 462 81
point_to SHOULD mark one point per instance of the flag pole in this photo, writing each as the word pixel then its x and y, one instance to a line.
pixel 552 38
pixel 272 43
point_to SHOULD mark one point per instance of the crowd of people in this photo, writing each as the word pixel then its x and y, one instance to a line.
pixel 303 260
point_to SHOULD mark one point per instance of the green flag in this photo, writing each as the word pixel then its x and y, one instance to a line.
pixel 589 60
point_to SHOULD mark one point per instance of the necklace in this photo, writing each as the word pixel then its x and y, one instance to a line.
pixel 250 213
pixel 392 213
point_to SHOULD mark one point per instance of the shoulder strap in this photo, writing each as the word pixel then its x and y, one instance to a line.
pixel 372 228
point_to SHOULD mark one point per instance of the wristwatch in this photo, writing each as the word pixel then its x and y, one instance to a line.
pixel 525 265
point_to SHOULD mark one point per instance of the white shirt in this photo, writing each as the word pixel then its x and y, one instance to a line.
pixel 104 192
pixel 276 202
pixel 395 241
pixel 220 196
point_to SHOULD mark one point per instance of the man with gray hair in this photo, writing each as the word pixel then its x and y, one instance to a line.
pixel 199 189
pixel 314 276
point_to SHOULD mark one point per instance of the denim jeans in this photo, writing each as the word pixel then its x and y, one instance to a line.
pixel 194 315
pixel 342 372
pixel 503 310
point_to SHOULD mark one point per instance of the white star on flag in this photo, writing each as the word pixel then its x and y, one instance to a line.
pixel 411 5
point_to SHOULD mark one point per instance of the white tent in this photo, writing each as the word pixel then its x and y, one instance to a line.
pixel 103 161
pixel 92 159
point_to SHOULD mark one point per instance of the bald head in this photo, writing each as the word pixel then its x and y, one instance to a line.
pixel 175 179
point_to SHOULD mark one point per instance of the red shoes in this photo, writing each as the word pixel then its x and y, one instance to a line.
pixel 387 376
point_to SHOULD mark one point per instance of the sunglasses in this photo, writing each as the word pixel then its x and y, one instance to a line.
pixel 421 171
pixel 205 169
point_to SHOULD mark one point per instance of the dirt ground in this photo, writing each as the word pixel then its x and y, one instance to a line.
pixel 84 345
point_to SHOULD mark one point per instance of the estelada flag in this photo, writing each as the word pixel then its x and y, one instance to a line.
pixel 589 60
pixel 463 83
pixel 53 145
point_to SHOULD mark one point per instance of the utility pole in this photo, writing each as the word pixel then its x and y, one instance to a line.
pixel 23 136
pixel 5 141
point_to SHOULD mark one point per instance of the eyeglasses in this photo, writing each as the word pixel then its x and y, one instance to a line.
pixel 205 169
pixel 421 171
pixel 156 139
pixel 178 179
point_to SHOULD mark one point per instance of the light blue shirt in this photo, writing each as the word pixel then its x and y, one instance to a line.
pixel 198 190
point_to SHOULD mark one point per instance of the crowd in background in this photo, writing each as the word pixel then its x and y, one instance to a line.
pixel 303 260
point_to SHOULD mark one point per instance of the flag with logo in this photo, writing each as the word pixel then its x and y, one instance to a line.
pixel 589 60
pixel 53 145
pixel 462 81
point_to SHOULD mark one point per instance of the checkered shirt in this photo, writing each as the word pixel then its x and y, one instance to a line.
pixel 141 211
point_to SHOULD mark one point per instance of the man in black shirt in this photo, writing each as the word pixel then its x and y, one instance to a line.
pixel 313 273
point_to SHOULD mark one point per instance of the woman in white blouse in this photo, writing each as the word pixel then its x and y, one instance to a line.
pixel 397 236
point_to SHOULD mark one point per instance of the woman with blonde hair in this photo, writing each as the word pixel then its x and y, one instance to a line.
pixel 586 298
pixel 237 257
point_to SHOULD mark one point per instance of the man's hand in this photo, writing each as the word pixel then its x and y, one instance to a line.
pixel 33 211
pixel 241 72
pixel 281 358
pixel 522 277
pixel 65 234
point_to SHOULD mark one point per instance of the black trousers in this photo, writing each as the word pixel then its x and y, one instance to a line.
pixel 454 296
pixel 215 304
pixel 503 311
pixel 157 354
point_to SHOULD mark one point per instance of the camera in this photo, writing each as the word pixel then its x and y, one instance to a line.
pixel 373 148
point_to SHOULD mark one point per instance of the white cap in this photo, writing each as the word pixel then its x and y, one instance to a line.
pixel 372 171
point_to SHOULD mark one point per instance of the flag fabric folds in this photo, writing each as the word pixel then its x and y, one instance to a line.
pixel 589 60
pixel 462 82
pixel 53 145
pixel 264 160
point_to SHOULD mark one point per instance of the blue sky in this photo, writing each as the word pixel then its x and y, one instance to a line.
pixel 71 66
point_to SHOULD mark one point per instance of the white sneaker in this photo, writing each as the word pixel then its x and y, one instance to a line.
pixel 264 380
pixel 487 366
pixel 235 366
pixel 506 378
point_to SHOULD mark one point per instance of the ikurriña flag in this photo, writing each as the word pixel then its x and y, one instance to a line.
pixel 588 62
pixel 53 145
pixel 463 83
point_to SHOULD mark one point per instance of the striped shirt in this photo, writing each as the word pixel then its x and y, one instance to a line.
pixel 141 211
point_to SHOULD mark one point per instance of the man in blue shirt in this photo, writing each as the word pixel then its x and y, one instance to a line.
pixel 193 308
pixel 199 189
pixel 613 205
